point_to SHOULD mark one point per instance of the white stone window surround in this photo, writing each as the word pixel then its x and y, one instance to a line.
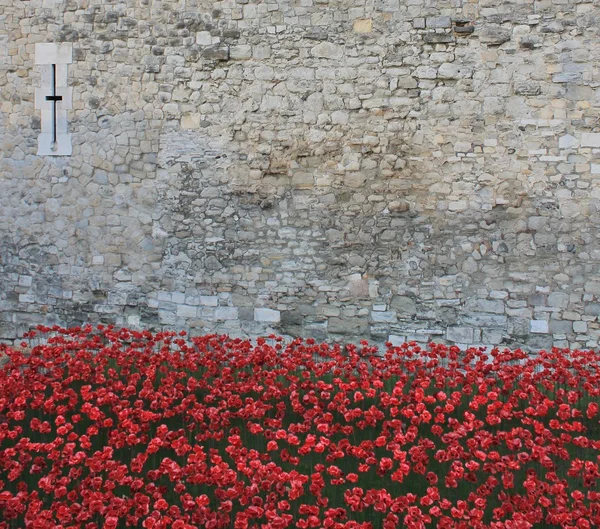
pixel 52 59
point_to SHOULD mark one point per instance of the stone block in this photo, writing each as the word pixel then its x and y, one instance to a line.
pixel 363 25
pixel 53 53
pixel 571 72
pixel 219 52
pixel 267 315
pixel 580 327
pixel 241 52
pixel 187 311
pixel 261 51
pixel 498 294
pixel 404 305
pixel 246 313
pixel 226 313
pixel 481 319
pixel 558 299
pixel 460 334
pixel 419 23
pixel 289 317
pixel 178 297
pixel 539 327
pixel 167 317
pixel 590 139
pixel 567 142
pixel 593 287
pixel 464 30
pixel 527 88
pixel 454 70
pixel 204 38
pixel 494 35
pixel 347 325
pixel 561 326
pixel 327 50
pixel 438 38
pixel 384 317
pixel 592 309
pixel 426 72
pixel 486 305
pixel 462 146
pixel 491 336
pixel 8 331
pixel 398 206
pixel 571 315
pixel 209 301
pixel 25 281
pixel 438 22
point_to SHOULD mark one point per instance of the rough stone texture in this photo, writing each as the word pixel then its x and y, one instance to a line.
pixel 342 170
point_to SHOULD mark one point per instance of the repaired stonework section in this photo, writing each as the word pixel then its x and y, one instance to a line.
pixel 53 60
pixel 419 170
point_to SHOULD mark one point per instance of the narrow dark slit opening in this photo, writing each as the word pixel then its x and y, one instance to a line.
pixel 54 98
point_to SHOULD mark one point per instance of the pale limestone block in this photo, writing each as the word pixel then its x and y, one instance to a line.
pixel 204 38
pixel 453 70
pixel 187 311
pixel 590 139
pixel 384 317
pixel 267 315
pixel 568 142
pixel 53 53
pixel 209 301
pixel 178 297
pixel 226 313
pixel 539 327
pixel 241 53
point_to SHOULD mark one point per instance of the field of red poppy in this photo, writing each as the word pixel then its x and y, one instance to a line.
pixel 106 428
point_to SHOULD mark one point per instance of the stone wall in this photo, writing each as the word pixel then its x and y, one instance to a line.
pixel 343 169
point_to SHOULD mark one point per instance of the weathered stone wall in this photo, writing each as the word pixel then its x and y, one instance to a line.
pixel 343 169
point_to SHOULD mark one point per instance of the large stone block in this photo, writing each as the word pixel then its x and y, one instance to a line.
pixel 590 139
pixel 494 35
pixel 327 50
pixel 439 22
pixel 455 70
pixel 384 317
pixel 348 326
pixel 267 315
pixel 364 25
pixel 404 305
pixel 539 327
pixel 219 52
pixel 226 313
pixel 460 334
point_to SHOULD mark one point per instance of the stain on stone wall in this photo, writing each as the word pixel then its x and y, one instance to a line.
pixel 383 170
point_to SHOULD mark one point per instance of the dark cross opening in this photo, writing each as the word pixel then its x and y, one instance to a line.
pixel 54 98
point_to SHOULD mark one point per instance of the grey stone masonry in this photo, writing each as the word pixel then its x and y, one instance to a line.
pixel 343 169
